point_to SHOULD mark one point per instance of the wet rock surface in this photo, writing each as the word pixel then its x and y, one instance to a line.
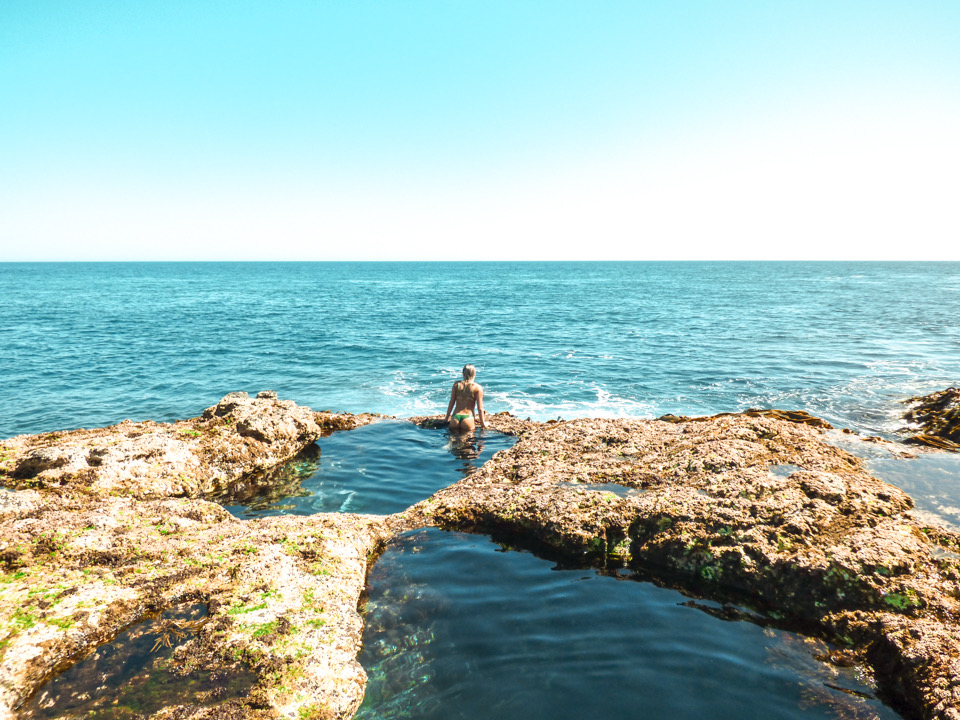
pixel 282 595
pixel 938 415
pixel 754 507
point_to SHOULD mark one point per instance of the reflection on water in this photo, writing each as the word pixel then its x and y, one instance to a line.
pixel 136 674
pixel 467 447
pixel 269 488
pixel 381 468
pixel 459 629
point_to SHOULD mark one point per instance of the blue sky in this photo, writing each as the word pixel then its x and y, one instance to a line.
pixel 365 129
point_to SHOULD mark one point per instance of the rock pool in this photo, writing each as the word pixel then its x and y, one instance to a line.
pixel 380 468
pixel 458 627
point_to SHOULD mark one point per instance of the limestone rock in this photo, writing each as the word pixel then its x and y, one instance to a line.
pixel 83 568
pixel 198 457
pixel 96 534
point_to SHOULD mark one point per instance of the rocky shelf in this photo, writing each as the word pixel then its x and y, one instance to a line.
pixel 103 529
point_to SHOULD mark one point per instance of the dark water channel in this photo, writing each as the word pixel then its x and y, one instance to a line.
pixel 458 628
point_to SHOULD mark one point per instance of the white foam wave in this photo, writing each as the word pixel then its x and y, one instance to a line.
pixel 605 405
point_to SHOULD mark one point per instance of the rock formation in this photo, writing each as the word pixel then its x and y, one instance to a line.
pixel 211 454
pixel 108 526
pixel 746 507
pixel 938 415
pixel 102 528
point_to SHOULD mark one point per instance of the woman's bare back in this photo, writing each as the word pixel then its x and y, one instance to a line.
pixel 466 393
pixel 466 398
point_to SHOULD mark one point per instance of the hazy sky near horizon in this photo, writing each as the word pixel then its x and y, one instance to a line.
pixel 429 130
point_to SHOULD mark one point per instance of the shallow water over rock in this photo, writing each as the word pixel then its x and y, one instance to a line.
pixel 458 627
pixel 136 674
pixel 930 477
pixel 381 468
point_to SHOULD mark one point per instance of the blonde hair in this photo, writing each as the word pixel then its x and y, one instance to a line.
pixel 469 373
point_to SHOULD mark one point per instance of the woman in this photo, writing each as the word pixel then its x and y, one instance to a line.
pixel 465 395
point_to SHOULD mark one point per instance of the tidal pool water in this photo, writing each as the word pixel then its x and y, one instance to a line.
pixel 458 628
pixel 932 479
pixel 133 675
pixel 381 468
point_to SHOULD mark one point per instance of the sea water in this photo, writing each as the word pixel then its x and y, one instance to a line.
pixel 89 344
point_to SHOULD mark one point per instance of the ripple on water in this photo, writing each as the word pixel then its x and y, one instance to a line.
pixel 88 344
pixel 458 628
pixel 381 468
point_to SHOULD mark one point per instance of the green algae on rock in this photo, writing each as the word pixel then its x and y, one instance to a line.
pixel 282 593
pixel 87 550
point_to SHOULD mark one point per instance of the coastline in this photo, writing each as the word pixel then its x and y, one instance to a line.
pixel 109 526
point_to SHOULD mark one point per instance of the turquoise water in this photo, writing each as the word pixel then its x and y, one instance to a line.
pixel 382 468
pixel 89 344
pixel 460 629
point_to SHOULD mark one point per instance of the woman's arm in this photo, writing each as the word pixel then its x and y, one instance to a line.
pixel 453 398
pixel 483 422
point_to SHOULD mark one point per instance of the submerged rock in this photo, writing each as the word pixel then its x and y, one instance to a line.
pixel 938 415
